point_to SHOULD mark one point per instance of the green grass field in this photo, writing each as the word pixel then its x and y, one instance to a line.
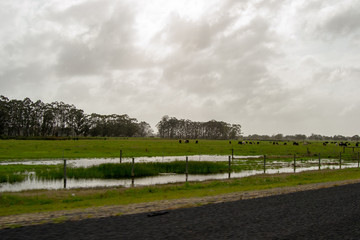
pixel 137 147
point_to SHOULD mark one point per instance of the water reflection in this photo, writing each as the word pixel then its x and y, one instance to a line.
pixel 87 162
pixel 32 183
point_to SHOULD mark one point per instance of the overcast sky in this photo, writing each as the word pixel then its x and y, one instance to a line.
pixel 272 66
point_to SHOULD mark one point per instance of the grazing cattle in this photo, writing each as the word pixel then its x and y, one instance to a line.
pixel 258 143
pixel 324 143
pixel 295 143
pixel 239 142
pixel 180 141
pixel 285 143
pixel 343 144
pixel 197 141
pixel 229 142
pixel 250 142
pixel 357 144
pixel 186 141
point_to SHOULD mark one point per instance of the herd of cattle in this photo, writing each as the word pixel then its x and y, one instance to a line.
pixel 341 144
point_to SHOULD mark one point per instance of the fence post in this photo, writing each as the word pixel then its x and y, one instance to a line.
pixel 319 161
pixel 132 168
pixel 120 155
pixel 340 160
pixel 294 162
pixel 264 163
pixel 229 167
pixel 186 168
pixel 64 173
pixel 232 154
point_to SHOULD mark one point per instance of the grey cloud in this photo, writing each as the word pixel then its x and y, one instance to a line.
pixel 101 44
pixel 343 22
pixel 329 20
pixel 231 65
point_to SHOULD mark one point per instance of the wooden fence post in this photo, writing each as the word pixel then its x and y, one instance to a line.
pixel 120 155
pixel 229 167
pixel 232 154
pixel 264 163
pixel 294 162
pixel 132 167
pixel 186 168
pixel 319 161
pixel 64 173
pixel 340 160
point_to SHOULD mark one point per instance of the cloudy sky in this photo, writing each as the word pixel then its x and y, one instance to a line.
pixel 272 66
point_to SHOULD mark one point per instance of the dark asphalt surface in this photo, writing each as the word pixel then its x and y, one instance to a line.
pixel 332 213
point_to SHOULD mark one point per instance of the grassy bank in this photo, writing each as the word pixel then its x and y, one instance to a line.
pixel 37 201
pixel 136 147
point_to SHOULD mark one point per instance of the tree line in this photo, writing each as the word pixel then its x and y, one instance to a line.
pixel 33 119
pixel 171 127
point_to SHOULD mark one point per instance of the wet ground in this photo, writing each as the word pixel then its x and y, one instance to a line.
pixel 31 182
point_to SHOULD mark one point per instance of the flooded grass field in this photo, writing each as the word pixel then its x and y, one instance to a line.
pixel 33 177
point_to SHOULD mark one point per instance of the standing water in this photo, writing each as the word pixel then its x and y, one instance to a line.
pixel 31 182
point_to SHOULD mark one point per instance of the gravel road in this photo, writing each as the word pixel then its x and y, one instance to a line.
pixel 330 213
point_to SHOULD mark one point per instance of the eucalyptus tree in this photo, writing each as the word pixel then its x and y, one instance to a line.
pixel 4 115
pixel 171 127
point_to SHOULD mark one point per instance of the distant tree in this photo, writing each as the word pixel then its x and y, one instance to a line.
pixel 300 137
pixel 235 131
pixel 339 138
pixel 355 138
pixel 317 137
pixel 278 136
pixel 145 130
pixel 27 118
pixel 171 127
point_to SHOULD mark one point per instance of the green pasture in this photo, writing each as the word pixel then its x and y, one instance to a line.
pixel 149 147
